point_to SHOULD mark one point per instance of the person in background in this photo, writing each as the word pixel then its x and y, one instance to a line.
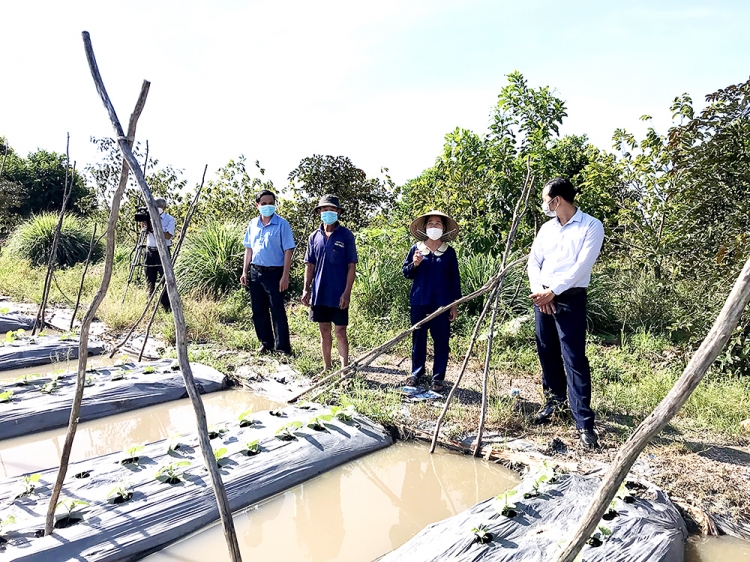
pixel 432 266
pixel 268 258
pixel 152 263
pixel 560 263
pixel 330 269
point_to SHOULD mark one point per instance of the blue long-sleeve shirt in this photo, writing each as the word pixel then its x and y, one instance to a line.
pixel 436 280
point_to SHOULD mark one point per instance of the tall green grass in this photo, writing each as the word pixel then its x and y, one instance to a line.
pixel 32 240
pixel 211 259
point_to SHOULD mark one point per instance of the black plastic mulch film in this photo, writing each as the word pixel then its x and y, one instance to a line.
pixel 28 351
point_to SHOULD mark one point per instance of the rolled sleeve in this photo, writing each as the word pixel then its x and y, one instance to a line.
pixel 592 245
pixel 248 241
pixel 287 238
pixel 170 225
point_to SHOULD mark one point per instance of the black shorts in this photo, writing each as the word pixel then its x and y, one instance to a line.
pixel 338 316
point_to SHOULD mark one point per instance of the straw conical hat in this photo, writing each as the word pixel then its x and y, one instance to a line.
pixel 418 230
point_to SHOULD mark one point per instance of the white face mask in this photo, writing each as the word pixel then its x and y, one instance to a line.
pixel 161 211
pixel 434 233
pixel 547 211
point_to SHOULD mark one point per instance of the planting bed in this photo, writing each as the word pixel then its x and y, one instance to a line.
pixel 41 403
pixel 145 513
pixel 531 525
pixel 26 351
pixel 15 321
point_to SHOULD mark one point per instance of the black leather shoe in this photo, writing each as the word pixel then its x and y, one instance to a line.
pixel 588 438
pixel 546 413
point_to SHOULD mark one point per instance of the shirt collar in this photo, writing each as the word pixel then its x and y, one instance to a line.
pixel 422 247
pixel 577 217
pixel 323 226
pixel 273 220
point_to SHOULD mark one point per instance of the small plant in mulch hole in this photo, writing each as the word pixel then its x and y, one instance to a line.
pixel 83 474
pixel 149 370
pixel 482 534
pixel 174 444
pixel 611 512
pixel 547 473
pixel 287 431
pixel 131 454
pixel 306 406
pixel 29 484
pixel 624 494
pixel 246 418
pixel 216 431
pixel 251 448
pixel 343 414
pixel 9 520
pixel 49 387
pixel 276 413
pixel 23 380
pixel 6 396
pixel 507 508
pixel 12 336
pixel 601 534
pixel 171 473
pixel 120 493
pixel 220 455
pixel 317 422
pixel 89 381
pixel 70 517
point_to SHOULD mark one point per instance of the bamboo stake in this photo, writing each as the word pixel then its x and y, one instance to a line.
pixel 89 317
pixel 367 358
pixel 486 375
pixel 179 317
pixel 709 349
pixel 160 290
pixel 92 245
pixel 39 320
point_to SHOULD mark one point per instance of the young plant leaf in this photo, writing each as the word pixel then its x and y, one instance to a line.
pixel 6 396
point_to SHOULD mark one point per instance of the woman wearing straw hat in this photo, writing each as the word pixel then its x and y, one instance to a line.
pixel 432 266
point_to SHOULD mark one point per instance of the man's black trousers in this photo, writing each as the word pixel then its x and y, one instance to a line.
pixel 266 298
pixel 154 270
pixel 561 343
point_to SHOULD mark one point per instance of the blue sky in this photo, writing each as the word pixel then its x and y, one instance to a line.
pixel 381 82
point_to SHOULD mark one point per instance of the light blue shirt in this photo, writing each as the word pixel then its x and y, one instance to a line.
pixel 269 242
pixel 168 224
pixel 562 256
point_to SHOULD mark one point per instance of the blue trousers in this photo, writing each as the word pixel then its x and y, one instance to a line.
pixel 440 329
pixel 267 303
pixel 561 343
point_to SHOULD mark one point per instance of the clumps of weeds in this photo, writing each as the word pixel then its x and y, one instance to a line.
pixel 70 517
pixel 481 534
pixel 171 473
pixel 6 396
pixel 121 493
pixel 287 432
pixel 215 431
pixel 246 418
pixel 343 414
pixel 251 448
pixel 601 534
pixel 317 422
pixel 131 454
pixel 24 380
pixel 507 508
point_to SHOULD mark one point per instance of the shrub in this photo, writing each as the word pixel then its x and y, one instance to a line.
pixel 33 240
pixel 211 260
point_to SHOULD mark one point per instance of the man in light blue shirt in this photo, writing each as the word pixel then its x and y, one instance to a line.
pixel 268 257
pixel 560 263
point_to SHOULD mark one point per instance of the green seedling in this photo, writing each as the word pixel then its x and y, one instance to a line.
pixel 624 494
pixel 4 310
pixel 12 336
pixel 150 369
pixel 58 374
pixel 171 473
pixel 220 454
pixel 611 512
pixel 252 448
pixel 118 376
pixel 343 414
pixel 121 360
pixel 287 431
pixel 482 534
pixel 601 534
pixel 6 396
pixel 43 333
pixel 70 506
pixel 547 474
pixel 29 482
pixel 9 520
pixel 316 423
pixel 246 418
pixel 174 443
pixel 49 387
pixel 89 381
pixel 23 380
pixel 305 405
pixel 65 336
pixel 277 413
pixel 131 454
pixel 215 431
pixel 120 493
pixel 507 508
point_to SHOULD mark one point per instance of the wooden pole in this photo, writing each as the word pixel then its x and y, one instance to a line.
pixel 176 303
pixel 486 374
pixel 709 349
pixel 92 245
pixel 89 317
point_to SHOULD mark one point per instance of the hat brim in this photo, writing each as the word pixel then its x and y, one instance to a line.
pixel 418 230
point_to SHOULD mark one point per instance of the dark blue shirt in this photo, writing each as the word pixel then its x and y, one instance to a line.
pixel 436 280
pixel 331 256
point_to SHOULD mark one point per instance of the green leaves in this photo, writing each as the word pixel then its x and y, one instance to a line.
pixel 246 418
pixel 6 396
pixel 287 431
pixel 70 505
pixel 171 472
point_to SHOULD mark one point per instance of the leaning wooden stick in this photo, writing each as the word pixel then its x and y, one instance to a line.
pixel 94 242
pixel 179 316
pixel 160 289
pixel 370 356
pixel 89 317
pixel 709 349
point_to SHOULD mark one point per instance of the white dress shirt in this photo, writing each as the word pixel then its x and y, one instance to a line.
pixel 562 256
pixel 168 224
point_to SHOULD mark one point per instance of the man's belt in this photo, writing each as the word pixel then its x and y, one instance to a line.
pixel 267 267
pixel 570 292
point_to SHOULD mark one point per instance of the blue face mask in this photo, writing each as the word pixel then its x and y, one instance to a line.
pixel 267 210
pixel 329 217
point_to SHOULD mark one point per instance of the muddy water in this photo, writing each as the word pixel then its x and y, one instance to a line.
pixel 358 511
pixel 717 549
pixel 35 452
pixel 68 366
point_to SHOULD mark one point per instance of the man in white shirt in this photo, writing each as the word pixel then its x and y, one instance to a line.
pixel 560 263
pixel 152 263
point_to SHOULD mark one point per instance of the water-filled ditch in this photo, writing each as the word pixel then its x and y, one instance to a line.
pixel 358 511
